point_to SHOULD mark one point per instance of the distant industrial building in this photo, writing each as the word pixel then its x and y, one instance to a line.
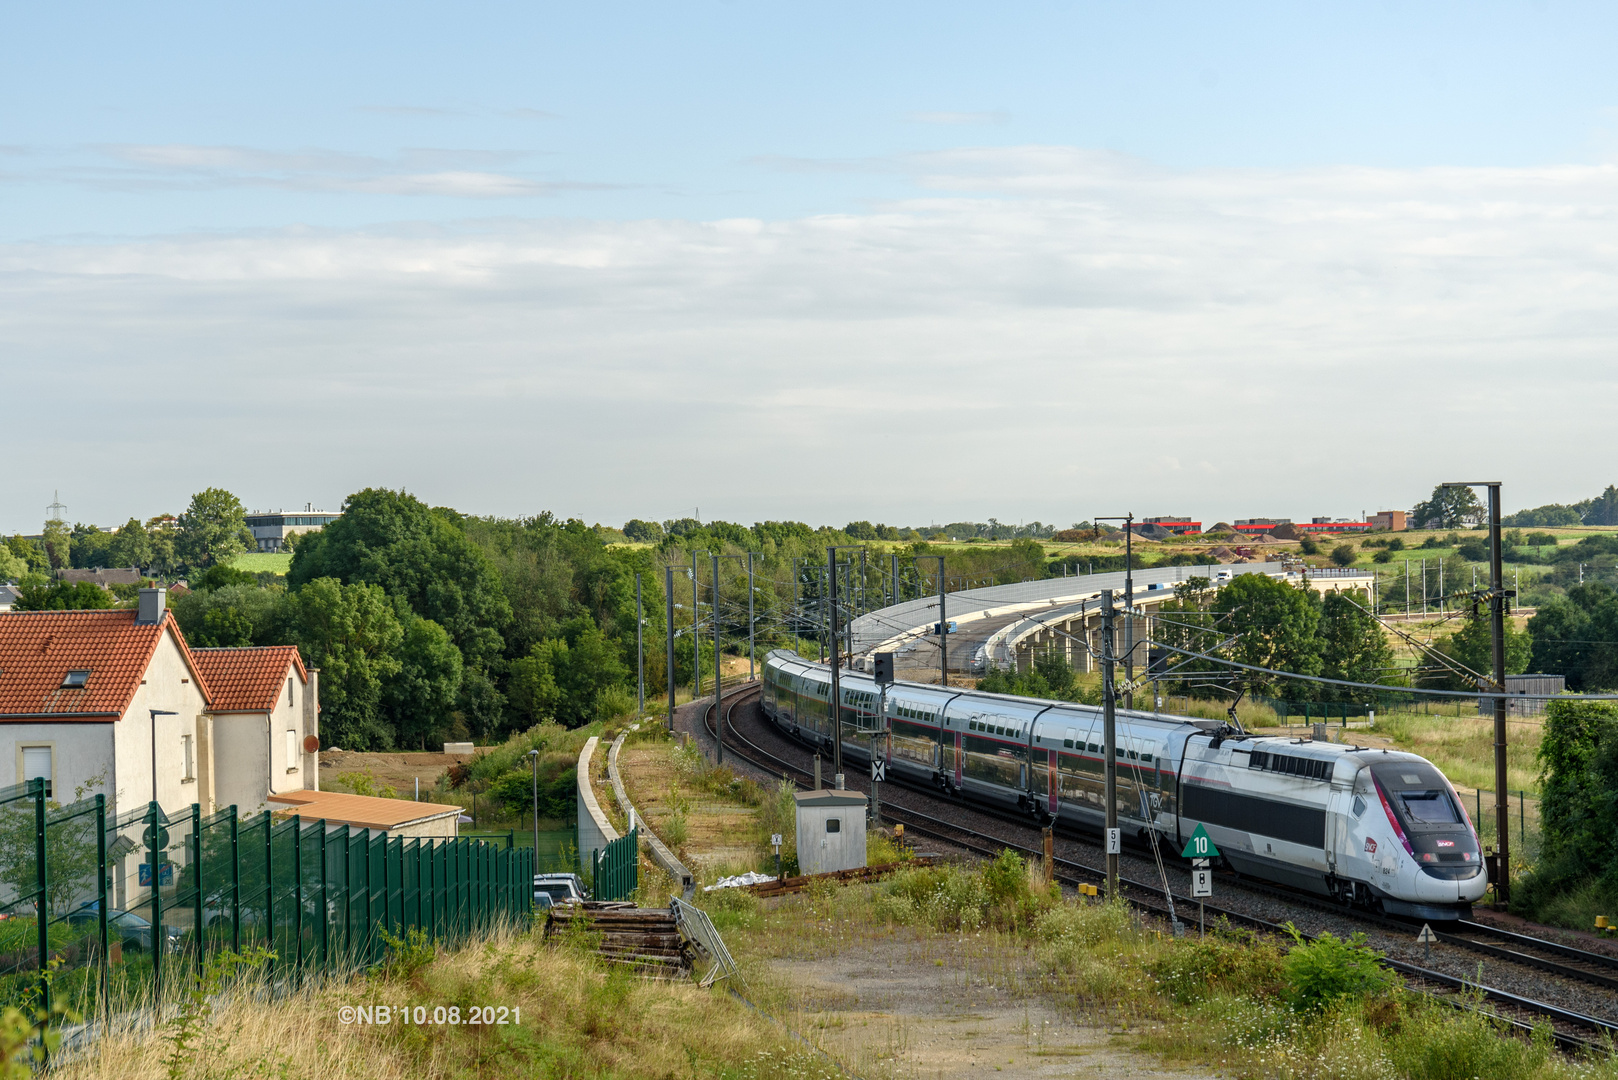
pixel 1389 520
pixel 1179 526
pixel 270 530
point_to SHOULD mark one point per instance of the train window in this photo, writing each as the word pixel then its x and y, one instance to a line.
pixel 1430 807
pixel 1132 754
pixel 1067 744
pixel 1410 778
pixel 1359 806
pixel 1146 757
pixel 1094 749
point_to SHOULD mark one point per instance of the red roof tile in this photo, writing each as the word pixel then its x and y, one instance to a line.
pixel 247 680
pixel 39 648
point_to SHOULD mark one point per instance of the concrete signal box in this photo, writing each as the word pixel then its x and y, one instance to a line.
pixel 831 831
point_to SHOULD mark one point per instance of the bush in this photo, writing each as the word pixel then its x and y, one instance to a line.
pixel 1383 556
pixel 1344 555
pixel 1330 969
pixel 1195 969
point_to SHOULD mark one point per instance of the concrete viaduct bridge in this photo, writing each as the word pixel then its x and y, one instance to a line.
pixel 1006 626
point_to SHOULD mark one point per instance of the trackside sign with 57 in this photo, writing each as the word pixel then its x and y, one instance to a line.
pixel 1200 846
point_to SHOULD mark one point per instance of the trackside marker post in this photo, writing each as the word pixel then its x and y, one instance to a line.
pixel 1200 850
pixel 1426 937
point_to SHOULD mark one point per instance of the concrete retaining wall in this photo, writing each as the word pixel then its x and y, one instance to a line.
pixel 595 831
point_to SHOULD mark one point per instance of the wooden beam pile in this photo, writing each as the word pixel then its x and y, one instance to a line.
pixel 644 938
pixel 840 877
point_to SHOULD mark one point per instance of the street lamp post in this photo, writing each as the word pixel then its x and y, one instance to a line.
pixel 533 757
pixel 155 714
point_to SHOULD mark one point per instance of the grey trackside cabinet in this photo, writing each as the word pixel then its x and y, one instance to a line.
pixel 831 831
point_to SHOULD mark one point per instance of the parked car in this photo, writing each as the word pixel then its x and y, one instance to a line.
pixel 553 889
pixel 134 931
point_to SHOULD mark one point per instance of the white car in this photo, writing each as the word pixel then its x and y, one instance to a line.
pixel 553 889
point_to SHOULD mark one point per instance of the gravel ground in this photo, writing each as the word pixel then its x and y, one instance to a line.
pixel 749 720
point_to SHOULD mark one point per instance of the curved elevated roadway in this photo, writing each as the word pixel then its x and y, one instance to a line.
pixel 1005 625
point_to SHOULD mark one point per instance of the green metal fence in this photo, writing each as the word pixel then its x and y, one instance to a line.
pixel 116 908
pixel 616 868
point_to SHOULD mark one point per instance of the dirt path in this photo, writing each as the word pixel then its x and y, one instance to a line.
pixel 888 1008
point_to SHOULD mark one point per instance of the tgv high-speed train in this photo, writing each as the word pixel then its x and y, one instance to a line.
pixel 1372 827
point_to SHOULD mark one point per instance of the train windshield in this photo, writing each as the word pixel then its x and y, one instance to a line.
pixel 1430 807
pixel 1418 793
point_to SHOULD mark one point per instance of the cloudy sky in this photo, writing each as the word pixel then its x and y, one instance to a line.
pixel 908 262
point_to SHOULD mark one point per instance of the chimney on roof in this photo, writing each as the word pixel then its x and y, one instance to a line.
pixel 153 602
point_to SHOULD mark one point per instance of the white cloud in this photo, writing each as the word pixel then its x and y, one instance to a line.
pixel 1049 333
pixel 413 171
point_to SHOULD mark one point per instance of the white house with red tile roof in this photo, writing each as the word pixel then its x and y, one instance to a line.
pixel 82 695
pixel 266 723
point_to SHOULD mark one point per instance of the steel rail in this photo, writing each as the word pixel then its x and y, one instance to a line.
pixel 1072 872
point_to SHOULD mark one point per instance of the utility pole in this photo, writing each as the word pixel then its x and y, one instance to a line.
pixel 752 649
pixel 943 623
pixel 1109 731
pixel 668 613
pixel 696 638
pixel 796 645
pixel 1497 626
pixel 894 566
pixel 1129 603
pixel 836 682
pixel 640 653
pixel 718 672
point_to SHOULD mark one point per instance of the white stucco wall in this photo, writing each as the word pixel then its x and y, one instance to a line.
pixel 169 684
pixel 80 753
pixel 241 761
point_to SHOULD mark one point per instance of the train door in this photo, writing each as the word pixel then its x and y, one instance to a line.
pixel 960 759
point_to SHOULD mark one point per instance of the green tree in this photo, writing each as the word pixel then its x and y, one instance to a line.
pixel 130 546
pixel 1344 555
pixel 1353 646
pixel 161 532
pixel 239 614
pixel 89 547
pixel 1449 508
pixel 64 596
pixel 1577 636
pixel 562 677
pixel 394 540
pixel 58 544
pixel 12 568
pixel 351 633
pixel 213 529
pixel 1578 756
pixel 1277 627
pixel 1603 509
pixel 31 552
pixel 420 699
pixel 643 532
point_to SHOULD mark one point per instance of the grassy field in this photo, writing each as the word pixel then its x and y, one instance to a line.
pixel 263 562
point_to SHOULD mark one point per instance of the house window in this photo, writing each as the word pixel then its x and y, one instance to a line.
pixel 292 750
pixel 75 680
pixel 187 756
pixel 36 762
pixel 289 692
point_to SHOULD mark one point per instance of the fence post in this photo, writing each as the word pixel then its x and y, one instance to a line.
pixel 41 903
pixel 101 905
pixel 235 882
pixel 196 904
pixel 325 898
pixel 297 890
pixel 157 904
pixel 269 888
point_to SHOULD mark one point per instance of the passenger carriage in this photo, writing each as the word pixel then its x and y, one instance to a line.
pixel 1295 812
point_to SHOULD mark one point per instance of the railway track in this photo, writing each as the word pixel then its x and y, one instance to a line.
pixel 1573 1030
